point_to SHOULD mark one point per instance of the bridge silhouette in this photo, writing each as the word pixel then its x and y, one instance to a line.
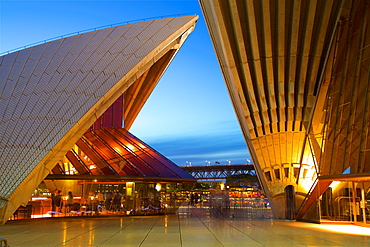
pixel 219 171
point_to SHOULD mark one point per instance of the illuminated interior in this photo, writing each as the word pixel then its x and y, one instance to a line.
pixel 115 151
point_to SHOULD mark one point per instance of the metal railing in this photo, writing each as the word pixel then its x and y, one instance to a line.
pixel 225 209
pixel 255 208
pixel 44 210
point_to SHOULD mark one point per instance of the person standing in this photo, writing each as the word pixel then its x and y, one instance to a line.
pixel 192 199
pixel 58 201
pixel 117 201
pixel 53 205
pixel 108 201
pixel 196 198
pixel 70 201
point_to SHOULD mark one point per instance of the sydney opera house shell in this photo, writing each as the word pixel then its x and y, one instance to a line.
pixel 298 76
pixel 67 106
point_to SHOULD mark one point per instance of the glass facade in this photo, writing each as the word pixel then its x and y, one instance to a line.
pixel 346 201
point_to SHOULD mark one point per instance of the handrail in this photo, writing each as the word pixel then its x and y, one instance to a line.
pixel 90 30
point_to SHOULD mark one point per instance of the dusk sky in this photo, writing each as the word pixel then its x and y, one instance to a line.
pixel 189 116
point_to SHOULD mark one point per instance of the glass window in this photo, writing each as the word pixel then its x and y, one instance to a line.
pixel 268 176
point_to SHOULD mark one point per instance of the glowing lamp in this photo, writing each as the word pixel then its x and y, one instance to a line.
pixel 158 187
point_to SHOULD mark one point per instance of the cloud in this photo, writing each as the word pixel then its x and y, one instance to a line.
pixel 199 148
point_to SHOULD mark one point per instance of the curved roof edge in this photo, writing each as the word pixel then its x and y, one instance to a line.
pixel 92 29
pixel 53 92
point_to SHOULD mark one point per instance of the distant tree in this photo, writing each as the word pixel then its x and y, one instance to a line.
pixel 242 180
pixel 201 186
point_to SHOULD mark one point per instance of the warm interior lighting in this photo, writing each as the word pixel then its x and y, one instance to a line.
pixel 344 229
pixel 38 198
pixel 165 221
pixel 307 173
pixel 334 184
pixel 129 188
pixel 39 216
pixel 117 150
pixel 158 187
pixel 71 171
pixel 92 167
pixel 100 182
pixel 131 147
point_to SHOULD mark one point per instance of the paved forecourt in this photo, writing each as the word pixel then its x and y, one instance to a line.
pixel 191 226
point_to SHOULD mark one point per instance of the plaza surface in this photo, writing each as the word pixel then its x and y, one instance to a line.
pixel 190 226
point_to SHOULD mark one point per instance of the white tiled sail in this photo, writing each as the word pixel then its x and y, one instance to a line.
pixel 45 90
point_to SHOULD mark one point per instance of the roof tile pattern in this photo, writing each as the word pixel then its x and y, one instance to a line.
pixel 45 90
